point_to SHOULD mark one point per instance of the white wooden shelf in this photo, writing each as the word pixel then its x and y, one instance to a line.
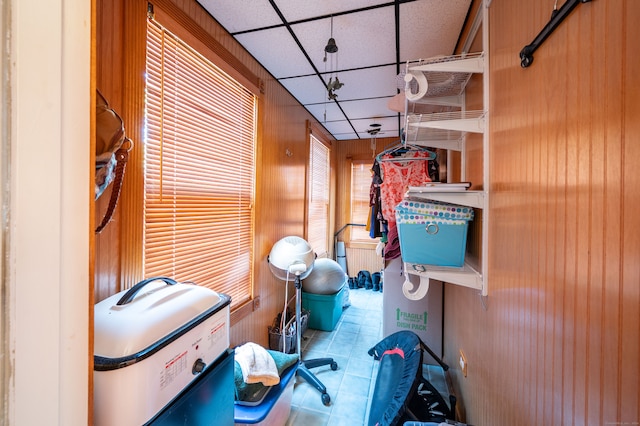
pixel 442 82
pixel 466 63
pixel 469 198
pixel 459 121
pixel 465 276
pixel 435 138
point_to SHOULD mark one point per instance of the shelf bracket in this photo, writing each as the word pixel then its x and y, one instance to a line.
pixel 557 16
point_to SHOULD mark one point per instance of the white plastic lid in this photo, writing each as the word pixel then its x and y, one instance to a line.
pixel 156 311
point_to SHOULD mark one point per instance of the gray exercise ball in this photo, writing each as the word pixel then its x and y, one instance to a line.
pixel 327 277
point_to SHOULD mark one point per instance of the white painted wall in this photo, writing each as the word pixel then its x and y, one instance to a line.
pixel 47 273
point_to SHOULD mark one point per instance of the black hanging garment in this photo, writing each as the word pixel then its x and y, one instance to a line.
pixel 375 205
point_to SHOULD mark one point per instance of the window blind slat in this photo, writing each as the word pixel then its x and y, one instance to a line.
pixel 318 208
pixel 199 170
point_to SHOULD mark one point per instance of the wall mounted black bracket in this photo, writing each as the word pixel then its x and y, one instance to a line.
pixel 526 54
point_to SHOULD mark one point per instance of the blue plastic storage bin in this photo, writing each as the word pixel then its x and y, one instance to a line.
pixel 274 408
pixel 324 309
pixel 433 233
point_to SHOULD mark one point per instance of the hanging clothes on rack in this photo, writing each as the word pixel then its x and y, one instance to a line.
pixel 401 168
pixel 392 247
pixel 402 152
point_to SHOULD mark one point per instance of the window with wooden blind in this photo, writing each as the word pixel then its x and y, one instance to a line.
pixel 361 176
pixel 318 197
pixel 199 170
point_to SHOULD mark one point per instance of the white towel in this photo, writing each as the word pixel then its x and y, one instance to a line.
pixel 257 365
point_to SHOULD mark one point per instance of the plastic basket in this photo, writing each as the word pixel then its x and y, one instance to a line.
pixel 277 341
pixel 433 233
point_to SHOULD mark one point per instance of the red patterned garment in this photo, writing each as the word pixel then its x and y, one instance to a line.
pixel 398 176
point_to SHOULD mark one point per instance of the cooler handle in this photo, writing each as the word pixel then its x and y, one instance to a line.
pixel 129 295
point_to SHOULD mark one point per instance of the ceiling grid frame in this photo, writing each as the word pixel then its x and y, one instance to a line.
pixel 375 39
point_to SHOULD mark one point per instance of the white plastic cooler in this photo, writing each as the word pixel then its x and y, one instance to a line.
pixel 150 342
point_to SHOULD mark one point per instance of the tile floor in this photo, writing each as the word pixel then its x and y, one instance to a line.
pixel 350 387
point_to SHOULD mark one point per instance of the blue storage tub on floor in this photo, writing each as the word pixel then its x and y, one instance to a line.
pixel 433 233
pixel 324 310
pixel 275 407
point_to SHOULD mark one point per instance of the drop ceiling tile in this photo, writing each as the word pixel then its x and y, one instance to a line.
pixel 367 108
pixel 368 83
pixel 346 136
pixel 241 15
pixel 340 127
pixel 307 90
pixel 292 11
pixel 364 39
pixel 430 28
pixel 276 51
pixel 389 127
pixel 326 112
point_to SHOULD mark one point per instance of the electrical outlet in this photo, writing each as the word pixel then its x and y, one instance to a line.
pixel 463 363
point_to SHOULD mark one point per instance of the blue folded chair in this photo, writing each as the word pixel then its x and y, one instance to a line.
pixel 401 393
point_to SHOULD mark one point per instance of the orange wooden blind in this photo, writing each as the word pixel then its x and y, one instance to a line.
pixel 199 170
pixel 361 177
pixel 318 209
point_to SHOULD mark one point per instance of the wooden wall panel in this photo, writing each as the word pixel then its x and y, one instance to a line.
pixel 557 340
pixel 626 19
pixel 109 71
pixel 120 55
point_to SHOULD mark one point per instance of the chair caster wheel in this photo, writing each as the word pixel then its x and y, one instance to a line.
pixel 326 399
pixel 334 366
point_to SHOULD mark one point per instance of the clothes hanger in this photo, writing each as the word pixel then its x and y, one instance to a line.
pixel 399 150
